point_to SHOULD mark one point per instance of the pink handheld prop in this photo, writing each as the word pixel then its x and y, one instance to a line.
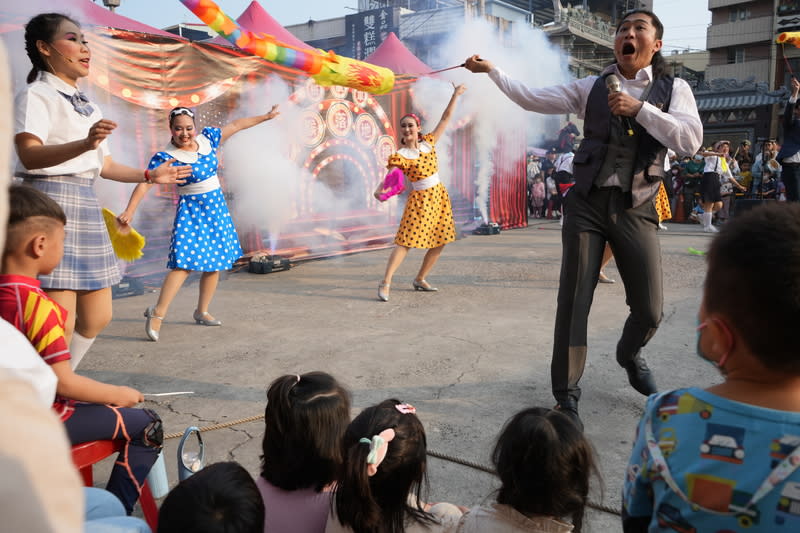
pixel 394 183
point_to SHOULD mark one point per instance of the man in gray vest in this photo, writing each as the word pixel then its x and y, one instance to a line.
pixel 633 112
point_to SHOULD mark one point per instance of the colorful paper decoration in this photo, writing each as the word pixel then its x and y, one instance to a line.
pixel 326 69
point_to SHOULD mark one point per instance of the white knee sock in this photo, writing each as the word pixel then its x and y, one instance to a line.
pixel 707 219
pixel 78 347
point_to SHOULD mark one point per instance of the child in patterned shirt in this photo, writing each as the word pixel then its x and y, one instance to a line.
pixel 725 458
pixel 89 409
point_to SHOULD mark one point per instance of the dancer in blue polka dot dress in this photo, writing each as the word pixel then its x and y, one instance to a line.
pixel 204 238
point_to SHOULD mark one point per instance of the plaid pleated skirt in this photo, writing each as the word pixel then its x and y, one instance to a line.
pixel 89 262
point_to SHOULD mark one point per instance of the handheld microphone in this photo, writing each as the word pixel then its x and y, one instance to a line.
pixel 614 86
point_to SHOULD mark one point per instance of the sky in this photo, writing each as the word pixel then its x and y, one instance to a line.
pixel 685 21
pixel 162 13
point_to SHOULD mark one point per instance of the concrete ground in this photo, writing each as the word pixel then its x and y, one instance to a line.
pixel 468 356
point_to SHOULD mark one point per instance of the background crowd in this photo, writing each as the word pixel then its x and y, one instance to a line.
pixel 756 174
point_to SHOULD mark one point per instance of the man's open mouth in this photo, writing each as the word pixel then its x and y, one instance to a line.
pixel 628 49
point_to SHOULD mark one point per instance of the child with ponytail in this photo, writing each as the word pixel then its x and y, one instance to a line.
pixel 304 421
pixel 383 476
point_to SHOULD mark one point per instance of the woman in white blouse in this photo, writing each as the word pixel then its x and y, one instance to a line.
pixel 60 138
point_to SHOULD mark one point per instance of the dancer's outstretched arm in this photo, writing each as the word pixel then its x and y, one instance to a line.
pixel 243 123
pixel 448 111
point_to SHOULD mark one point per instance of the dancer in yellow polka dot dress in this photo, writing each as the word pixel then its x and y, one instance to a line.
pixel 428 217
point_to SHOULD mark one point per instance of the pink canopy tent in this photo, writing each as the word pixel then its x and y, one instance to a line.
pixel 257 20
pixel 14 15
pixel 394 55
pixel 100 16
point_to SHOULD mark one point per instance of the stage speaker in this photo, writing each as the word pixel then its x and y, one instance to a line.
pixel 492 228
pixel 265 264
pixel 744 205
pixel 127 287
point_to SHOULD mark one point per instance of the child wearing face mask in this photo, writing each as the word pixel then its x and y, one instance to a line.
pixel 726 457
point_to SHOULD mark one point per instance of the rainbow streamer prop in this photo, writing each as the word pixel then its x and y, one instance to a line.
pixel 790 37
pixel 325 69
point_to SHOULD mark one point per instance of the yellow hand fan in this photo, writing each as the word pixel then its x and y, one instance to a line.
pixel 126 241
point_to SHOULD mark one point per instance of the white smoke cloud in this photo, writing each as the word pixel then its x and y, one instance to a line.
pixel 264 168
pixel 531 59
pixel 259 168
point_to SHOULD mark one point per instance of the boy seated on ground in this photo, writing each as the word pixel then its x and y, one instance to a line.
pixel 221 498
pixel 726 457
pixel 89 409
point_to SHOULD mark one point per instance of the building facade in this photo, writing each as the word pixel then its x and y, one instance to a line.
pixel 747 79
pixel 741 40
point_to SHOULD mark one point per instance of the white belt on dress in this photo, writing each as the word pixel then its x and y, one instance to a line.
pixel 200 187
pixel 426 183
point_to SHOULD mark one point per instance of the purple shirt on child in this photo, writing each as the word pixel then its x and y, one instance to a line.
pixel 295 511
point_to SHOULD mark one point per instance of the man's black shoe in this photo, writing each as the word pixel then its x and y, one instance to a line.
pixel 640 377
pixel 569 408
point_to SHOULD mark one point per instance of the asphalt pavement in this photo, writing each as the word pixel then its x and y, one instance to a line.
pixel 468 356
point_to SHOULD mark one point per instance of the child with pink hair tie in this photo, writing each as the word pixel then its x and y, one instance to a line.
pixel 383 475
